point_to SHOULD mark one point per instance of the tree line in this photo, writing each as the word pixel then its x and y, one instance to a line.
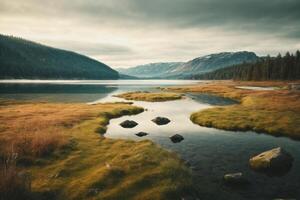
pixel 285 67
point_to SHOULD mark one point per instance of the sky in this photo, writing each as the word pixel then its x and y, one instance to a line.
pixel 126 33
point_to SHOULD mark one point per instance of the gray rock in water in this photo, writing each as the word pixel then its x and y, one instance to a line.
pixel 275 161
pixel 176 138
pixel 161 120
pixel 235 178
pixel 128 124
pixel 141 134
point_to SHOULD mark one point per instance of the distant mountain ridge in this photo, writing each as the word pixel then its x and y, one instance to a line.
pixel 151 70
pixel 23 59
pixel 213 62
pixel 198 65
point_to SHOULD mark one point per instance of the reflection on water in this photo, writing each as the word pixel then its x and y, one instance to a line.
pixel 101 82
pixel 76 90
pixel 54 93
pixel 211 99
pixel 211 152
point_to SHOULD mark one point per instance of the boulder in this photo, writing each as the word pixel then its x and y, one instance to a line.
pixel 160 120
pixel 176 138
pixel 128 124
pixel 275 161
pixel 141 134
pixel 234 178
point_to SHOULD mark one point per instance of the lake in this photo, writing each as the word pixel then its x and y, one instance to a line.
pixel 210 152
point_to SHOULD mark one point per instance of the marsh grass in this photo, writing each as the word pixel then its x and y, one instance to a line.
pixel 14 185
pixel 95 167
pixel 275 112
pixel 151 96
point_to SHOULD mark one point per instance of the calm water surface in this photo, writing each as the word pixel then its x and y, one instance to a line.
pixel 211 152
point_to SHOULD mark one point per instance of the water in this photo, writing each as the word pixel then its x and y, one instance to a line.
pixel 257 88
pixel 210 152
pixel 76 90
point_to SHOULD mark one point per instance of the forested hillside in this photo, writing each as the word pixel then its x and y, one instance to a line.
pixel 23 59
pixel 268 68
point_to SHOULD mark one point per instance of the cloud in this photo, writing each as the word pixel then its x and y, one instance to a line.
pixel 131 32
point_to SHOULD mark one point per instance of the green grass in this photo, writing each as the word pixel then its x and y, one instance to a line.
pixel 273 112
pixel 151 96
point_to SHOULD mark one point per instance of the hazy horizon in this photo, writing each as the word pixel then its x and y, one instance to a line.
pixel 137 32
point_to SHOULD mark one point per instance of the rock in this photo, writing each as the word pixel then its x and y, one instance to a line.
pixel 128 124
pixel 161 120
pixel 234 178
pixel 274 161
pixel 176 138
pixel 141 134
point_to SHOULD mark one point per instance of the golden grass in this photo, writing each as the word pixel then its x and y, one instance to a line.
pixel 13 185
pixel 95 167
pixel 151 96
pixel 275 112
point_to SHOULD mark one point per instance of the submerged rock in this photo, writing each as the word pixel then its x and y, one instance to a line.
pixel 176 138
pixel 235 178
pixel 161 120
pixel 141 134
pixel 128 124
pixel 274 161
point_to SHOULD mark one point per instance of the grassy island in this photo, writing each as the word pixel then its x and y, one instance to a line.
pixel 61 153
pixel 276 112
pixel 151 96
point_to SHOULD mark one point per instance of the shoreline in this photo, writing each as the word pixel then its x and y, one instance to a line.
pixel 82 170
pixel 274 112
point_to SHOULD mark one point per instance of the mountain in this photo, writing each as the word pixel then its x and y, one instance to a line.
pixel 23 59
pixel 267 68
pixel 212 62
pixel 198 65
pixel 152 70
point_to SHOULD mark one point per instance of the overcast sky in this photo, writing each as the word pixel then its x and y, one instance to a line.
pixel 123 33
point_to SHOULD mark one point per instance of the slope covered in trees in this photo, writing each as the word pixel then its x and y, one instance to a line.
pixel 268 68
pixel 23 59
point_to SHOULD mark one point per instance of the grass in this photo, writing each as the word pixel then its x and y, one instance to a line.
pixel 151 96
pixel 275 112
pixel 13 185
pixel 87 165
